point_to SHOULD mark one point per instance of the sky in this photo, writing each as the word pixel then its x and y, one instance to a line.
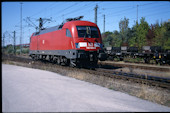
pixel 114 11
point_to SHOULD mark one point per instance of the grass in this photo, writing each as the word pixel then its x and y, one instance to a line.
pixel 143 91
pixel 153 95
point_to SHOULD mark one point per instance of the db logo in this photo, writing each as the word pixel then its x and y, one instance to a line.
pixel 90 44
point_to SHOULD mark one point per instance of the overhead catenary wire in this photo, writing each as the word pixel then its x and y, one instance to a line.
pixel 73 11
pixel 130 8
pixel 65 8
pixel 79 9
pixel 41 11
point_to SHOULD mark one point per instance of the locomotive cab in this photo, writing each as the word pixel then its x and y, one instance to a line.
pixel 88 43
pixel 88 38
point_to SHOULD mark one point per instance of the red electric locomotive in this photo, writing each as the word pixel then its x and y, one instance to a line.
pixel 75 43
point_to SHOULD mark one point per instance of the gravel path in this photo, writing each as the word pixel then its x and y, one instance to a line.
pixel 33 90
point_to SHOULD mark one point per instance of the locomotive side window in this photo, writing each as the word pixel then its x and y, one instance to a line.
pixel 68 33
pixel 87 31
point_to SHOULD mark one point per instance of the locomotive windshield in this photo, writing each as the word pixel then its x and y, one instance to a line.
pixel 87 32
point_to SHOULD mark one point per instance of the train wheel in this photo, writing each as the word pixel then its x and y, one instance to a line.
pixel 147 60
pixel 58 60
pixel 44 57
pixel 156 62
pixel 111 58
pixel 121 58
pixel 65 61
pixel 34 57
pixel 161 63
pixel 54 60
pixel 50 58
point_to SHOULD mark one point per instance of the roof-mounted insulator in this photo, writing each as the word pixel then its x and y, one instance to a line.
pixel 73 19
pixel 70 19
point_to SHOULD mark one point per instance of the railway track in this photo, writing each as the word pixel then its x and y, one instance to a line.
pixel 139 78
pixel 134 65
pixel 143 79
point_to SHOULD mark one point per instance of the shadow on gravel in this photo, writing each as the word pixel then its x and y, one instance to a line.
pixel 108 67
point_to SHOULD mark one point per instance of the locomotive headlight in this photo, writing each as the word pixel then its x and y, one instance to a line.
pixel 97 44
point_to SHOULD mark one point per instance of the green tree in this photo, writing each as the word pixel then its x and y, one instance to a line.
pixel 123 26
pixel 116 42
pixel 142 30
pixel 112 39
pixel 167 26
pixel 107 39
pixel 159 31
pixel 132 41
pixel 167 35
pixel 167 44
